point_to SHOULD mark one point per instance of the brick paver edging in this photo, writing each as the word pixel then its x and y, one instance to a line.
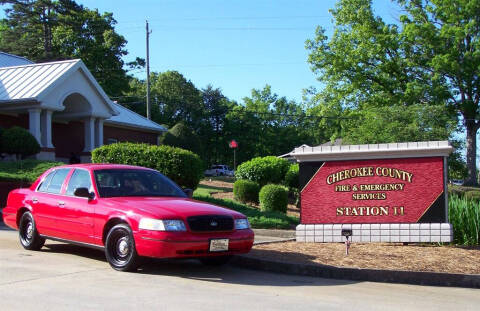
pixel 357 274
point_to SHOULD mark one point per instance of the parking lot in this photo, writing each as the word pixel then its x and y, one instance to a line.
pixel 65 277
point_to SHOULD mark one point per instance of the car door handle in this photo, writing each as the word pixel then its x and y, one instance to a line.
pixel 34 200
pixel 61 203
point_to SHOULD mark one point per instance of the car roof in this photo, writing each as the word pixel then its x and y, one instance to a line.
pixel 102 166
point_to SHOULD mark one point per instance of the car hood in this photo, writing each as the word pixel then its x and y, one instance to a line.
pixel 171 207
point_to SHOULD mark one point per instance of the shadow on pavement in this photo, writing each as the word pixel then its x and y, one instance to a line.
pixel 192 269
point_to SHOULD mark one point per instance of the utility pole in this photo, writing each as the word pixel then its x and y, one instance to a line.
pixel 148 74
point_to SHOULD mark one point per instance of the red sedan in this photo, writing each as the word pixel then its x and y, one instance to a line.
pixel 128 211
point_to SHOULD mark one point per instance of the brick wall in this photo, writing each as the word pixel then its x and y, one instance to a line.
pixel 122 135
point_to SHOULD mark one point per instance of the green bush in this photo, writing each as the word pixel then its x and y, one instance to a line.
pixel 18 141
pixel 257 218
pixel 26 170
pixel 291 177
pixel 182 137
pixel 464 215
pixel 263 170
pixel 273 198
pixel 246 191
pixel 474 195
pixel 182 166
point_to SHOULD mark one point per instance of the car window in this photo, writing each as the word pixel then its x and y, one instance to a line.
pixel 79 179
pixel 46 181
pixel 132 182
pixel 56 183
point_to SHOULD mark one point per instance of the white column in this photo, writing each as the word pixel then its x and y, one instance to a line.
pixel 89 134
pixel 46 128
pixel 98 133
pixel 34 123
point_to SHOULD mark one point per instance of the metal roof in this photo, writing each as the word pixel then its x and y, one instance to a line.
pixel 128 118
pixel 28 81
pixel 8 60
pixel 372 151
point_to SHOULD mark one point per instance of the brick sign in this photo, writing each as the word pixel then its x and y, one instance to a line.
pixel 372 191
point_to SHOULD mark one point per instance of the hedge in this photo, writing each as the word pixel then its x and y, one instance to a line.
pixel 26 170
pixel 246 191
pixel 263 170
pixel 291 177
pixel 273 198
pixel 182 166
pixel 18 141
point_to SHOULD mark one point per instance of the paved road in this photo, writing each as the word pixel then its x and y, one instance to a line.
pixel 64 277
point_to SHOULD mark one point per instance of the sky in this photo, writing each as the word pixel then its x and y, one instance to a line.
pixel 234 45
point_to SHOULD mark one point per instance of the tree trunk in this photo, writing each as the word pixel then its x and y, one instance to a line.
pixel 472 128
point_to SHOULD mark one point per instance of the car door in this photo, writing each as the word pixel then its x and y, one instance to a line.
pixel 78 212
pixel 45 202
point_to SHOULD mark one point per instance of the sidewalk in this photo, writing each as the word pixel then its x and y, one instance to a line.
pixel 256 262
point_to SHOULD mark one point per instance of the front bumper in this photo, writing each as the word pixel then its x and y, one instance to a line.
pixel 187 244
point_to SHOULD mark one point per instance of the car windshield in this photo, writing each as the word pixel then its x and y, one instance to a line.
pixel 133 182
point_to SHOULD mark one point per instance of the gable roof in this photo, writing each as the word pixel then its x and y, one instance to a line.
pixel 8 60
pixel 32 81
pixel 128 118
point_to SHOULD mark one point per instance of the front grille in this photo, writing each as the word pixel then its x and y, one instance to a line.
pixel 208 223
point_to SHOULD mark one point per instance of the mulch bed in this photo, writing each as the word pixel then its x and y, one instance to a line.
pixel 388 256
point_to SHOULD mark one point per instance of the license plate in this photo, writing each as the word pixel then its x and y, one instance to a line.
pixel 218 245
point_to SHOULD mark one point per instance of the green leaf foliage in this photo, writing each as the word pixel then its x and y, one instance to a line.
pixel 409 81
pixel 47 30
pixel 464 215
pixel 264 170
pixel 18 141
pixel 182 166
pixel 246 191
pixel 24 170
pixel 258 219
pixel 292 177
pixel 182 137
pixel 273 198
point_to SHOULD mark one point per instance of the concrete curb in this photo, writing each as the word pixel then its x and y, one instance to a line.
pixel 356 274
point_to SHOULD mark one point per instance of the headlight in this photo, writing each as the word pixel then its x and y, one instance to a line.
pixel 161 225
pixel 241 223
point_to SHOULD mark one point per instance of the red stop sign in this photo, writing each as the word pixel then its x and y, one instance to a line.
pixel 233 144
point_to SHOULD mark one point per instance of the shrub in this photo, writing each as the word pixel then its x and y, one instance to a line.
pixel 257 218
pixel 263 170
pixel 246 191
pixel 182 137
pixel 291 177
pixel 464 215
pixel 474 195
pixel 26 170
pixel 182 166
pixel 18 141
pixel 273 198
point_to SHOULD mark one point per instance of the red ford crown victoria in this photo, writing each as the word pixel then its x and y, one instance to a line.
pixel 128 211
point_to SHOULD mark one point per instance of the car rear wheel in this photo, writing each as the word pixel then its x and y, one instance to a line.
pixel 215 261
pixel 28 234
pixel 120 248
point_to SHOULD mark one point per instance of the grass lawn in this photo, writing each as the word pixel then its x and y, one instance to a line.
pixel 25 170
pixel 257 218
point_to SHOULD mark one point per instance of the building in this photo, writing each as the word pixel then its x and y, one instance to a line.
pixel 65 109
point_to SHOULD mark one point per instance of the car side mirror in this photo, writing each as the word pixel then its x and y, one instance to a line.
pixel 188 192
pixel 83 193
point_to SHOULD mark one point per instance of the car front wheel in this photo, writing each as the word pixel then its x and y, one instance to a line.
pixel 28 234
pixel 120 248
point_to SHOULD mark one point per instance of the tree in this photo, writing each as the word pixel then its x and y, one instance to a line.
pixel 47 30
pixel 443 40
pixel 182 137
pixel 177 99
pixel 376 71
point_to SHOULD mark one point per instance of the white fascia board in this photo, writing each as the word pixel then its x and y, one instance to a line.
pixel 372 151
pixel 129 126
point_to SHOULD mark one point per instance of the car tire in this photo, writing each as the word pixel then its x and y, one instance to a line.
pixel 28 234
pixel 120 248
pixel 215 260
